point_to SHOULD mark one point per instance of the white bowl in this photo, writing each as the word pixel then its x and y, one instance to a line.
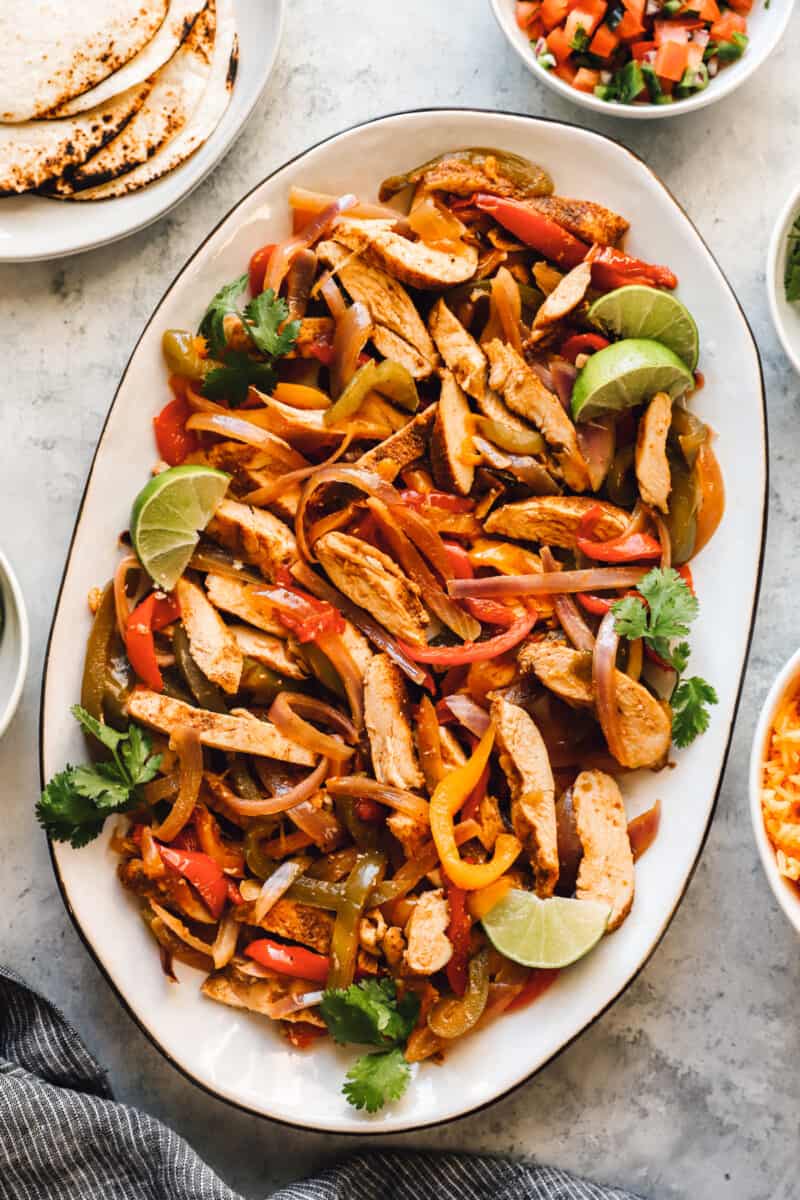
pixel 14 644
pixel 785 315
pixel 765 27
pixel 786 892
pixel 239 1056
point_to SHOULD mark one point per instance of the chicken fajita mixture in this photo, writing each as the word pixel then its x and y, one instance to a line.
pixel 405 601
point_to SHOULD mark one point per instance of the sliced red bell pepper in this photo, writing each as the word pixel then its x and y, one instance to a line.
pixel 582 343
pixel 534 229
pixel 539 980
pixel 234 895
pixel 489 612
pixel 370 811
pixel 175 442
pixel 467 652
pixel 259 262
pixel 685 573
pixel 201 872
pixel 445 500
pixel 613 269
pixel 597 605
pixel 307 617
pixel 154 613
pixel 633 548
pixel 322 349
pixel 458 931
pixel 290 960
pixel 186 839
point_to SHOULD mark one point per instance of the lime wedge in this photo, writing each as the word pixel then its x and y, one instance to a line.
pixel 625 374
pixel 545 933
pixel 645 312
pixel 167 516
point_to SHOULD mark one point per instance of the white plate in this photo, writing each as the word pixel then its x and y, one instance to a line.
pixel 14 643
pixel 34 227
pixel 766 25
pixel 785 315
pixel 240 1057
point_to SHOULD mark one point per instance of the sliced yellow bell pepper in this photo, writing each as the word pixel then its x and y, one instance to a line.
pixel 483 901
pixel 450 794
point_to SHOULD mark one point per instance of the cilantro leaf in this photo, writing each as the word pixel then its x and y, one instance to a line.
pixel 671 608
pixel 370 1013
pixel 233 380
pixel 263 317
pixel 137 756
pixel 212 326
pixel 690 715
pixel 630 617
pixel 377 1078
pixel 66 815
pixel 102 785
pixel 108 737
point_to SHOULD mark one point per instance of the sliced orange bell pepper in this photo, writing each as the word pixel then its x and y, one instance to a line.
pixel 447 799
pixel 483 901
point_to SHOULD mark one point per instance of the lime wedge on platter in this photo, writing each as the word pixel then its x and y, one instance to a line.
pixel 625 374
pixel 545 933
pixel 168 515
pixel 644 312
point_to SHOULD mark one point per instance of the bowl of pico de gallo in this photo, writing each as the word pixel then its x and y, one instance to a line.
pixel 643 58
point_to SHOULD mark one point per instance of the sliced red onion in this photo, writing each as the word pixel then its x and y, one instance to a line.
pixel 360 787
pixel 604 684
pixel 468 713
pixel 563 376
pixel 541 370
pixel 292 1004
pixel 278 883
pixel 566 610
pixel 283 801
pixel 597 442
pixel 592 580
pixel 283 255
pixel 353 330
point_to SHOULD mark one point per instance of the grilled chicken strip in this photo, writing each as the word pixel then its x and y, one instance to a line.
pixel 451 444
pixel 525 761
pixel 404 447
pixel 413 263
pixel 213 647
pixel 652 465
pixel 429 948
pixel 566 297
pixel 458 348
pixel 245 735
pixel 606 869
pixel 236 459
pixel 391 741
pixel 301 923
pixel 254 535
pixel 646 723
pixel 389 304
pixel 236 987
pixel 582 218
pixel 374 581
pixel 554 520
pixel 525 394
pixel 242 600
pixel 268 650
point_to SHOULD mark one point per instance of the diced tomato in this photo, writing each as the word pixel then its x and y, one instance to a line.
pixel 559 47
pixel 710 10
pixel 526 11
pixel 743 7
pixel 553 13
pixel 672 59
pixel 175 442
pixel 635 8
pixel 259 262
pixel 604 42
pixel 630 27
pixel 728 24
pixel 566 72
pixel 694 55
pixel 290 960
pixel 586 16
pixel 586 80
pixel 202 873
pixel 640 50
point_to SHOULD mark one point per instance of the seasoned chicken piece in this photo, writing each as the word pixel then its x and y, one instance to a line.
pixel 582 218
pixel 170 890
pixel 235 986
pixel 606 870
pixel 652 466
pixel 238 460
pixel 525 761
pixel 554 520
pixel 429 948
pixel 451 443
pixel 268 650
pixel 243 601
pixel 213 647
pixel 458 348
pixel 372 580
pixel 313 332
pixel 392 346
pixel 452 754
pixel 254 535
pixel 646 723
pixel 567 296
pixel 302 923
pixel 412 835
pixel 491 822
pixel 388 302
pixel 524 393
pixel 391 742
pixel 358 647
pixel 245 735
pixel 492 406
pixel 403 447
pixel 413 263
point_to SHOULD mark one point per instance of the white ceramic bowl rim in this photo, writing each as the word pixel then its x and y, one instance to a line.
pixel 777 249
pixel 722 85
pixel 22 649
pixel 367 1130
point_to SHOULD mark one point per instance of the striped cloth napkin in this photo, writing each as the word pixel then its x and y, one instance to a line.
pixel 64 1137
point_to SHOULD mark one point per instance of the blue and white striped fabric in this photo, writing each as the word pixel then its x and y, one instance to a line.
pixel 63 1137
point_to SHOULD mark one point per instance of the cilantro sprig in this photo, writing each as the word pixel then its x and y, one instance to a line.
pixel 370 1013
pixel 74 805
pixel 265 320
pixel 670 609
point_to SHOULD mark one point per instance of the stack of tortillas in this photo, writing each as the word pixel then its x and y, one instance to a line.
pixel 101 97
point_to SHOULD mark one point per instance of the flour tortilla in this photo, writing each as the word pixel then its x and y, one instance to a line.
pixel 176 92
pixel 200 125
pixel 35 151
pixel 52 50
pixel 176 27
